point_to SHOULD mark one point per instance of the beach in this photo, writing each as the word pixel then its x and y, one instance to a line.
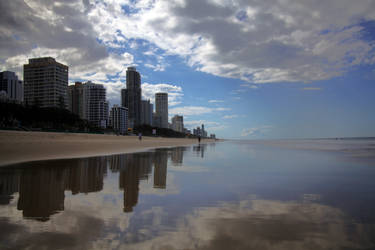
pixel 19 146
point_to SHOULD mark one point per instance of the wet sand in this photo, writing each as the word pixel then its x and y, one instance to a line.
pixel 17 146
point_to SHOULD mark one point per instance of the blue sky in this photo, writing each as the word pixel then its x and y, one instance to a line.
pixel 246 69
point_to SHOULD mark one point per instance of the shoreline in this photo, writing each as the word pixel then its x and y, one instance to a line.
pixel 19 146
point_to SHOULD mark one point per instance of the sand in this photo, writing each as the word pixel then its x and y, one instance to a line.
pixel 17 146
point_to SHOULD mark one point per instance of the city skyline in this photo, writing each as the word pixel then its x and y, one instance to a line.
pixel 246 70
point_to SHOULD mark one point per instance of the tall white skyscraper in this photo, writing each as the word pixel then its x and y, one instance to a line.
pixel 13 87
pixel 161 108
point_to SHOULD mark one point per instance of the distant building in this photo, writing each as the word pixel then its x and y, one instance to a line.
pixel 156 120
pixel 95 104
pixel 132 96
pixel 197 131
pixel 118 119
pixel 146 112
pixel 88 100
pixel 76 100
pixel 161 108
pixel 13 87
pixel 45 82
pixel 212 136
pixel 203 132
pixel 178 123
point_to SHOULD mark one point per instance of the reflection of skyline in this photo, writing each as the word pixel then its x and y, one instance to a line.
pixel 8 186
pixel 200 149
pixel 177 156
pixel 42 186
pixel 135 167
pixel 160 168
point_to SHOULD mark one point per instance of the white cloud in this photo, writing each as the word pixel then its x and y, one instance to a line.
pixel 255 130
pixel 215 101
pixel 229 116
pixel 195 110
pixel 264 41
pixel 271 41
pixel 175 92
pixel 311 88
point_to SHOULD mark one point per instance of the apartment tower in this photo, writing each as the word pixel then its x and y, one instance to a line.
pixel 45 82
pixel 132 96
pixel 161 108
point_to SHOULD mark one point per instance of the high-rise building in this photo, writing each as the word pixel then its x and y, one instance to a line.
pixel 178 123
pixel 13 87
pixel 118 119
pixel 161 108
pixel 132 96
pixel 146 112
pixel 156 120
pixel 45 82
pixel 88 100
pixel 124 97
pixel 95 105
pixel 76 100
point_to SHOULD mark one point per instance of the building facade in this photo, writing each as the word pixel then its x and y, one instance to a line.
pixel 88 100
pixel 132 96
pixel 118 119
pixel 95 105
pixel 13 87
pixel 178 123
pixel 76 100
pixel 45 82
pixel 161 108
pixel 146 112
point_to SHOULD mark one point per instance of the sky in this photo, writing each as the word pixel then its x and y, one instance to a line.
pixel 247 69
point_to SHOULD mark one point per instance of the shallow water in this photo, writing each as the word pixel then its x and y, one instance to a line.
pixel 229 195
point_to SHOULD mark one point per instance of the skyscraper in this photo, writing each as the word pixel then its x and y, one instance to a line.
pixel 178 123
pixel 161 108
pixel 13 87
pixel 46 82
pixel 88 100
pixel 75 99
pixel 146 112
pixel 95 105
pixel 119 119
pixel 132 96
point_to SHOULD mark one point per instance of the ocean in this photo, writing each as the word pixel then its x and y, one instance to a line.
pixel 280 194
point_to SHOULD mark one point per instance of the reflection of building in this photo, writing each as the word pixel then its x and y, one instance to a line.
pixel 41 188
pixel 160 171
pixel 161 108
pixel 45 82
pixel 200 149
pixel 9 183
pixel 12 87
pixel 177 155
pixel 41 192
pixel 136 167
pixel 86 175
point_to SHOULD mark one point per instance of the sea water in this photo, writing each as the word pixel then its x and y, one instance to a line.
pixel 301 194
